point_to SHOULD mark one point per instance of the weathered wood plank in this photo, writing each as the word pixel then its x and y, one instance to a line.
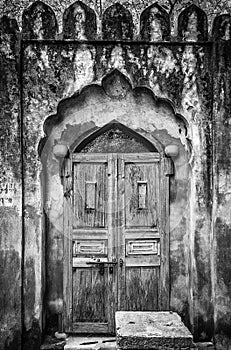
pixel 138 261
pixel 142 157
pixel 89 295
pixel 67 249
pixel 136 174
pixel 142 289
pixel 90 327
pixel 90 204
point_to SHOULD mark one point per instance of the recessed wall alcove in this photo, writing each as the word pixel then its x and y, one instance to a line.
pixel 111 117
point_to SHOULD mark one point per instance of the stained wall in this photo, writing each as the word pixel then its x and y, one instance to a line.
pixel 48 69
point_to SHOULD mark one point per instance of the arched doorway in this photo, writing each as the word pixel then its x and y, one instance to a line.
pixel 116 229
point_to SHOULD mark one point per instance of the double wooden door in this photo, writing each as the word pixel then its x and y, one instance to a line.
pixel 115 256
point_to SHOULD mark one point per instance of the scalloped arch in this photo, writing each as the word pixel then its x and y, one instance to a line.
pixel 116 100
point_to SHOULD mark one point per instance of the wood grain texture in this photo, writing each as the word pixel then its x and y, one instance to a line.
pixel 90 195
pixel 142 286
pixel 89 295
pixel 67 249
pixel 143 214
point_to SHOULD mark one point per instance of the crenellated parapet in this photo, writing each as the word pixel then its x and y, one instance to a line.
pixel 81 23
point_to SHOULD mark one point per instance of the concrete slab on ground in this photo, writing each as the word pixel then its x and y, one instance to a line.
pixel 151 330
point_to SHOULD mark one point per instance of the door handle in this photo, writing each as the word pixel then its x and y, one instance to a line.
pixel 121 262
pixel 103 264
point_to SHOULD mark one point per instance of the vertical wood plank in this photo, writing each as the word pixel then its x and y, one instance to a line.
pixel 112 238
pixel 89 295
pixel 67 250
pixel 121 234
pixel 164 239
pixel 142 288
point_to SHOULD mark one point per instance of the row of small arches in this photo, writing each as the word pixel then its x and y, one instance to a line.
pixel 80 23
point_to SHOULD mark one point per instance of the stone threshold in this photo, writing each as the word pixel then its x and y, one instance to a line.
pixel 81 343
pixel 75 341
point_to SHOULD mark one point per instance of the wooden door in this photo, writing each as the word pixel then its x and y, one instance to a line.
pixel 139 231
pixel 94 284
pixel 118 217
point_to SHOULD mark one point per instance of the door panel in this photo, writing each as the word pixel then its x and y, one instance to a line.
pixel 90 195
pixel 93 283
pixel 142 288
pixel 139 232
pixel 89 295
pixel 141 195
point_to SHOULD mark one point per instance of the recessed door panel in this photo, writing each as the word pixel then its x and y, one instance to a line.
pixel 90 195
pixel 89 295
pixel 142 288
pixel 141 194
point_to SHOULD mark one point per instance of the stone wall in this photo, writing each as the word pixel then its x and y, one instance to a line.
pixel 44 67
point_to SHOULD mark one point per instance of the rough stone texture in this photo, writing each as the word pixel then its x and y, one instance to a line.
pixel 221 194
pixel 90 343
pixel 151 330
pixel 10 189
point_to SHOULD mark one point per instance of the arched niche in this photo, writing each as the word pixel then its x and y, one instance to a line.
pixel 118 111
pixel 79 22
pixel 115 138
pixel 193 24
pixel 222 27
pixel 155 24
pixel 117 23
pixel 39 22
pixel 8 25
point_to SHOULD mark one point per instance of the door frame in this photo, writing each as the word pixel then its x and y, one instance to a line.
pixel 166 169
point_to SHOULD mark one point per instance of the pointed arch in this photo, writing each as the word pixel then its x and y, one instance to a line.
pixel 8 25
pixel 115 137
pixel 117 23
pixel 155 23
pixel 39 22
pixel 193 24
pixel 222 27
pixel 79 22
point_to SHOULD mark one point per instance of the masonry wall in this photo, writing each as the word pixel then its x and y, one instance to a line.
pixel 43 68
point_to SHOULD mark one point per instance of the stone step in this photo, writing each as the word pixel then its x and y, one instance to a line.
pixel 90 343
pixel 152 330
